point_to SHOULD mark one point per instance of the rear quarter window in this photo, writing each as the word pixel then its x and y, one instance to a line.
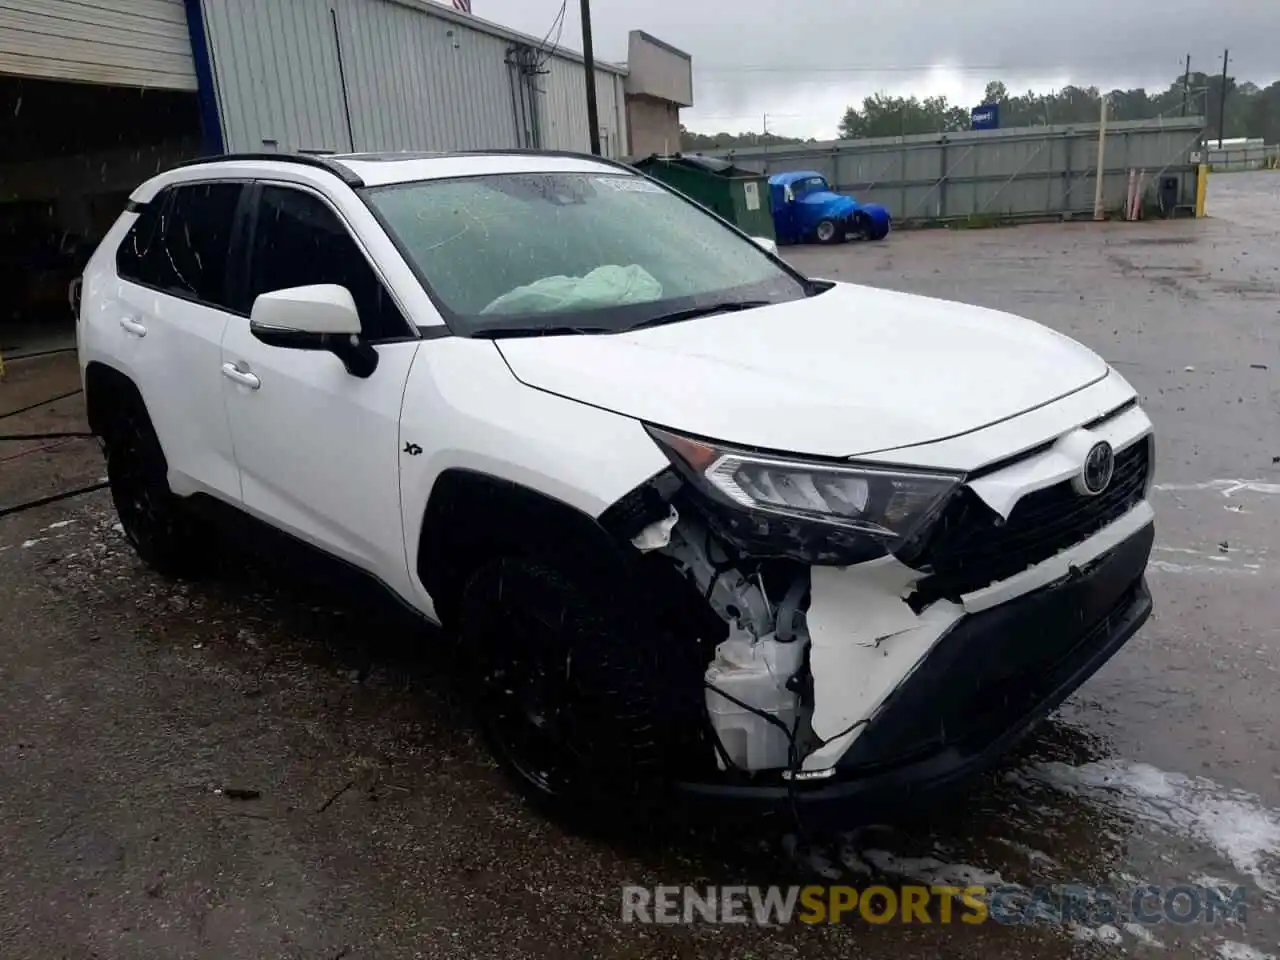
pixel 180 242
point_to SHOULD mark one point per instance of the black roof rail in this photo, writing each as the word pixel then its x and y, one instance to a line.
pixel 319 161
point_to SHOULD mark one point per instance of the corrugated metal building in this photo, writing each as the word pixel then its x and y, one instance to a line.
pixel 396 74
pixel 97 95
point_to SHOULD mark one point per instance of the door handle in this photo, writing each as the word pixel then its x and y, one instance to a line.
pixel 132 326
pixel 232 372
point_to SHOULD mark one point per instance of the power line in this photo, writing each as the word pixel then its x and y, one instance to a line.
pixel 557 26
pixel 557 22
pixel 1038 67
pixel 771 115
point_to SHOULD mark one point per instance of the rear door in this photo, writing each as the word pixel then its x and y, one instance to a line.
pixel 171 308
pixel 319 449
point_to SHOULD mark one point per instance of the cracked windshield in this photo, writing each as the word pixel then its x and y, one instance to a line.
pixel 541 479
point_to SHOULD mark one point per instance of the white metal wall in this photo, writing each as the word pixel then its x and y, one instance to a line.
pixel 564 109
pixel 275 67
pixel 136 43
pixel 417 77
pixel 417 82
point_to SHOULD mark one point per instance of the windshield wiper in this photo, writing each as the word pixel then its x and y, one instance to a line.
pixel 704 310
pixel 535 330
pixel 499 332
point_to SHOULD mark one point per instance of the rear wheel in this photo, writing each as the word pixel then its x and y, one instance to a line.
pixel 827 232
pixel 154 520
pixel 570 693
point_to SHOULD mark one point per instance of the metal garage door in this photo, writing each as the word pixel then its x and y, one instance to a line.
pixel 137 43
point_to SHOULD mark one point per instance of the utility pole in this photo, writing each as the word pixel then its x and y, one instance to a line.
pixel 1099 210
pixel 589 68
pixel 1186 85
pixel 764 126
pixel 1222 101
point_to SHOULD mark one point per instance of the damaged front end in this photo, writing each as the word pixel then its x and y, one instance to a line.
pixel 886 627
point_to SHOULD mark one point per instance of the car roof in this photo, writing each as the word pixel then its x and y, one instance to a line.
pixel 383 168
pixel 379 169
pixel 791 176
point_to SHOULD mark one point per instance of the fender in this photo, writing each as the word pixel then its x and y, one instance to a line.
pixel 529 467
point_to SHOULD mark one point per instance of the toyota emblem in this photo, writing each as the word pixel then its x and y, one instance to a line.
pixel 1099 465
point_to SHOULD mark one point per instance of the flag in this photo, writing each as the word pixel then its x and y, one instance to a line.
pixel 463 5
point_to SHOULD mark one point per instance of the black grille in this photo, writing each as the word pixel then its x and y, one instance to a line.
pixel 970 548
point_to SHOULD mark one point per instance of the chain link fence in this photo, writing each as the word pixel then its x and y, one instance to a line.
pixel 1234 157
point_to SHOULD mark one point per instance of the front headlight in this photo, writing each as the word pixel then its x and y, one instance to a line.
pixel 859 511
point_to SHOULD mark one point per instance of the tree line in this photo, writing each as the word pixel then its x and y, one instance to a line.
pixel 1252 111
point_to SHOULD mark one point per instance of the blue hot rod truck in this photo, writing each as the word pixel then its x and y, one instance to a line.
pixel 806 209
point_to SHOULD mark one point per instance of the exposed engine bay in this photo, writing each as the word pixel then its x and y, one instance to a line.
pixel 812 652
pixel 756 684
pixel 793 681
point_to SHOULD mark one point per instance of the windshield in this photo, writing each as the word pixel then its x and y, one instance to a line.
pixel 559 252
pixel 808 185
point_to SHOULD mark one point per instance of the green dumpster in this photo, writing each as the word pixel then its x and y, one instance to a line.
pixel 739 196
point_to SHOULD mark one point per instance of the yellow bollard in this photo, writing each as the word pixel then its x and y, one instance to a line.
pixel 1202 187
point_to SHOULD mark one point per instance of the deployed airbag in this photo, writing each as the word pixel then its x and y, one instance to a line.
pixel 607 286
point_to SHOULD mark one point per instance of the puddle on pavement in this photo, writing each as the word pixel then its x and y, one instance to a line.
pixel 1065 816
pixel 1176 241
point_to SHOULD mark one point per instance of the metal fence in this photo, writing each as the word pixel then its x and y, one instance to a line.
pixel 1250 156
pixel 1021 173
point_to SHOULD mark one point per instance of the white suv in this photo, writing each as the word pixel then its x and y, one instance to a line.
pixel 703 527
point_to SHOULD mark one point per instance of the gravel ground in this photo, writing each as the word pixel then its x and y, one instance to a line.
pixel 134 708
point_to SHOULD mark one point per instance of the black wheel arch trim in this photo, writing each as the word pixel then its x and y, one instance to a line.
pixel 104 385
pixel 472 517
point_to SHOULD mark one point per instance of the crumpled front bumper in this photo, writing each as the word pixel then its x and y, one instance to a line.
pixel 986 683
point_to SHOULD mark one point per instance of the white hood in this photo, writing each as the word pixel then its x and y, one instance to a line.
pixel 851 371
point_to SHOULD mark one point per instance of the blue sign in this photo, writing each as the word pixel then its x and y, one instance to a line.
pixel 985 117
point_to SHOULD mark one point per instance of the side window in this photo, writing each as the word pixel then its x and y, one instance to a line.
pixel 137 259
pixel 179 242
pixel 299 241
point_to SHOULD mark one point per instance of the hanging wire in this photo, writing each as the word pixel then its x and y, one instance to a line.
pixel 544 51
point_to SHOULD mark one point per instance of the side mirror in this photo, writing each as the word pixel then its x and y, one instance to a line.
pixel 767 244
pixel 319 317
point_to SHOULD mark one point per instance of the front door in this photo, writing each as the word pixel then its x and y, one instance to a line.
pixel 318 448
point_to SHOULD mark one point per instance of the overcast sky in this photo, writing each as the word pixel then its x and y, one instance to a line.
pixel 804 61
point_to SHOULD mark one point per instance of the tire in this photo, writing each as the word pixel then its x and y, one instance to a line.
pixel 574 700
pixel 827 232
pixel 161 529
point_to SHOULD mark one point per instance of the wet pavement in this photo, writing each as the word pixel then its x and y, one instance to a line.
pixel 134 708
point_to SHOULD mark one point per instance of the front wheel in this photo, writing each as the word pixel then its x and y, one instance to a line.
pixel 568 691
pixel 154 520
pixel 827 232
